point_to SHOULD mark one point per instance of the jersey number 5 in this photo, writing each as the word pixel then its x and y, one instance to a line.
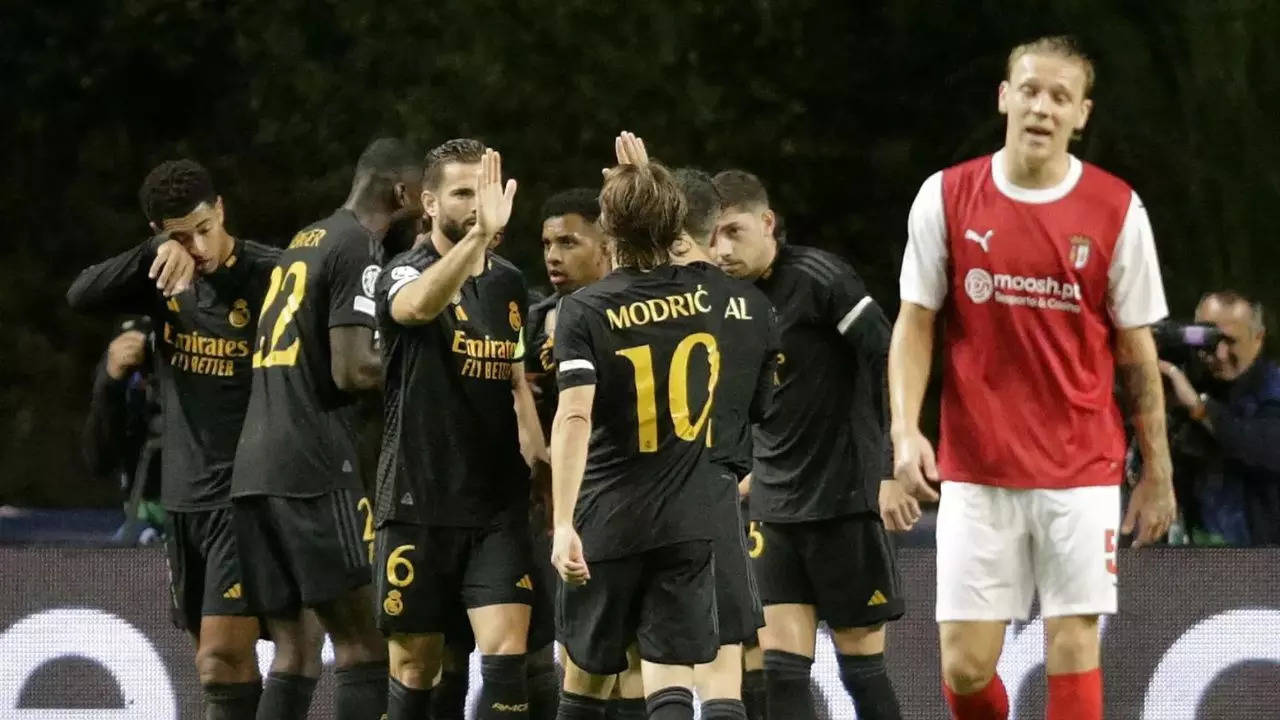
pixel 267 354
pixel 641 357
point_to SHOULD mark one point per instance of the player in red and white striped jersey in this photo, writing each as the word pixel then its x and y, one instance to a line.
pixel 1043 270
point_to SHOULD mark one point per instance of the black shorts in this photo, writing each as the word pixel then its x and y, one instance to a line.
pixel 844 566
pixel 303 552
pixel 428 576
pixel 205 576
pixel 737 596
pixel 663 599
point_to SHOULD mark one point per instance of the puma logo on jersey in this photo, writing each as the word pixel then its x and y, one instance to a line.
pixel 525 583
pixel 235 592
pixel 877 598
pixel 980 239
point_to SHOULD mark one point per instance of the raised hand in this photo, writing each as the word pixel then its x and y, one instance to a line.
pixel 173 269
pixel 493 201
pixel 630 150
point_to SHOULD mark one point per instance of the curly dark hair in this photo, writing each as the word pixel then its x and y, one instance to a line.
pixel 577 201
pixel 703 201
pixel 174 188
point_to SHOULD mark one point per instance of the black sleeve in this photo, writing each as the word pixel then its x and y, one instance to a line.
pixel 104 429
pixel 390 281
pixel 574 345
pixel 351 276
pixel 117 285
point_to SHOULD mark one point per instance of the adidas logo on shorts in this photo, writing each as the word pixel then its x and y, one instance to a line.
pixel 525 583
pixel 235 592
pixel 877 598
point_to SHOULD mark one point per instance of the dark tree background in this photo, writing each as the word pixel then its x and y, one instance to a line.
pixel 843 107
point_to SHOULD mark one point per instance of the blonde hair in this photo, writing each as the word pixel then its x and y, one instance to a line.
pixel 1063 46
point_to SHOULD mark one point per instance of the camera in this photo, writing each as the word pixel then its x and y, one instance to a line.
pixel 1179 342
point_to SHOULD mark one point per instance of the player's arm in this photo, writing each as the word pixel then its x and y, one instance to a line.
pixel 129 281
pixel 922 286
pixel 353 360
pixel 421 300
pixel 533 444
pixel 1135 297
pixel 571 434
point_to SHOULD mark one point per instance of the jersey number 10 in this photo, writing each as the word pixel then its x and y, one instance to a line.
pixel 641 357
pixel 267 354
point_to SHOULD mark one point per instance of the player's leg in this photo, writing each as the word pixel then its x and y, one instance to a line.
pixel 719 683
pixel 627 701
pixel 790 620
pixel 597 624
pixel 417 605
pixel 678 625
pixel 1074 536
pixel 854 572
pixel 330 563
pixel 753 691
pixel 449 696
pixel 544 673
pixel 543 682
pixel 295 669
pixel 498 592
pixel 985 580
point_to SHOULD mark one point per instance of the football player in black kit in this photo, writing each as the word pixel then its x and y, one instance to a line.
pixel 748 349
pixel 202 287
pixel 819 546
pixel 301 516
pixel 453 497
pixel 631 487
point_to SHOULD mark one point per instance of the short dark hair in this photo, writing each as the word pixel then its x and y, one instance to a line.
pixel 388 158
pixel 703 203
pixel 1235 297
pixel 174 188
pixel 457 150
pixel 643 209
pixel 576 201
pixel 740 189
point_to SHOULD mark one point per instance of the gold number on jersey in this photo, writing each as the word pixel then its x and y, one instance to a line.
pixel 267 354
pixel 641 357
pixel 757 540
pixel 397 560
pixel 368 536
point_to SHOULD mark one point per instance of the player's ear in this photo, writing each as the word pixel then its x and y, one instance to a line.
pixel 430 205
pixel 770 221
pixel 1000 97
pixel 217 209
pixel 1086 109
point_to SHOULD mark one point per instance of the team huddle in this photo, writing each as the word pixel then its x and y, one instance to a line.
pixel 675 466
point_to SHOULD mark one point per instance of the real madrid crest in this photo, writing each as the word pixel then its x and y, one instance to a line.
pixel 239 315
pixel 513 316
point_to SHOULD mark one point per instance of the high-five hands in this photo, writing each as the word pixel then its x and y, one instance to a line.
pixel 629 150
pixel 493 200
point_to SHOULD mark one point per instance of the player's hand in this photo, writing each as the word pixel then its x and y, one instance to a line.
pixel 125 353
pixel 1151 506
pixel 173 269
pixel 898 509
pixel 630 150
pixel 493 200
pixel 744 487
pixel 1182 389
pixel 567 557
pixel 915 466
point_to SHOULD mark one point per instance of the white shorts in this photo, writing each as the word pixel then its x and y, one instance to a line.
pixel 997 546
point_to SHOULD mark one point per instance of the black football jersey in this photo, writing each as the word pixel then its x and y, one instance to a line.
pixel 203 345
pixel 647 342
pixel 299 437
pixel 539 358
pixel 821 453
pixel 451 444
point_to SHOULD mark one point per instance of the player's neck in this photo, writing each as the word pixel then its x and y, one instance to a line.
pixel 1035 175
pixel 376 221
pixel 774 250
pixel 443 245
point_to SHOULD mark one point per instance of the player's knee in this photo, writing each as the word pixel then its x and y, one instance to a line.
pixel 1072 642
pixel 219 663
pixel 298 655
pixel 965 671
pixel 860 640
pixel 542 660
pixel 581 682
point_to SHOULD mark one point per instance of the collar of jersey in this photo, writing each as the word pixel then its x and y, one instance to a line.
pixel 1037 196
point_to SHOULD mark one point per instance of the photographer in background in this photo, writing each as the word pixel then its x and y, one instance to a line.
pixel 121 437
pixel 1226 449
